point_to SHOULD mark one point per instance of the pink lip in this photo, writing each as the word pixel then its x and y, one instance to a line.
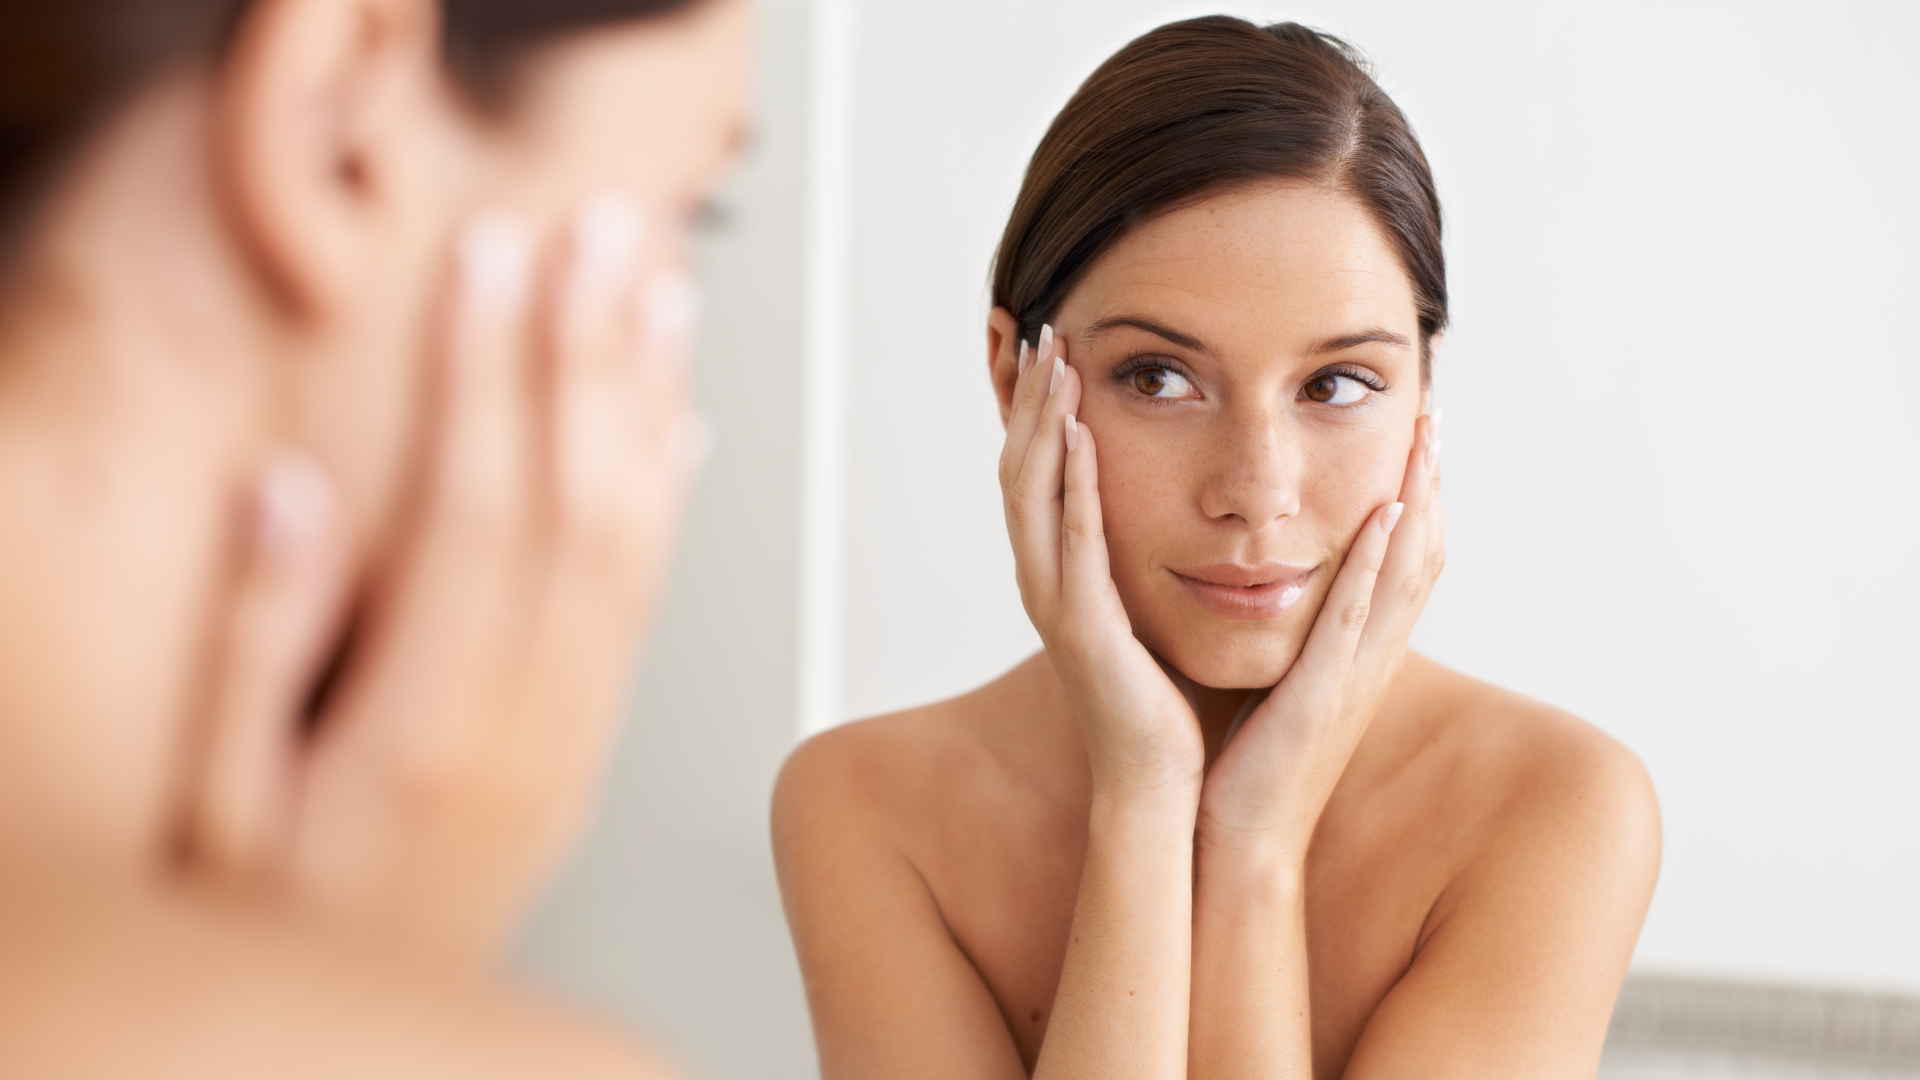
pixel 1232 591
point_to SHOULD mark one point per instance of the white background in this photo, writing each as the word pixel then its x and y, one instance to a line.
pixel 1683 458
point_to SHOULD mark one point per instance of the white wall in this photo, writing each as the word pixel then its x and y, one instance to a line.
pixel 1684 467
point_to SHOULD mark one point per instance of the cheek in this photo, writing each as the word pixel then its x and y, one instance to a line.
pixel 1344 484
pixel 1143 494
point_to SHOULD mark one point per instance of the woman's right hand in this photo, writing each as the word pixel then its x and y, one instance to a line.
pixel 1140 730
pixel 457 748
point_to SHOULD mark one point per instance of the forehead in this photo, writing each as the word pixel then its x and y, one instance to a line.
pixel 1270 262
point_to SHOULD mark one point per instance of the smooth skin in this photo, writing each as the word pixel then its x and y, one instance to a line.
pixel 316 376
pixel 1390 870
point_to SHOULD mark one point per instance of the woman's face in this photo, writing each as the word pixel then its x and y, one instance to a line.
pixel 1251 368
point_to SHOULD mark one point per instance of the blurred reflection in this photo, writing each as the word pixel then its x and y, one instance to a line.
pixel 344 429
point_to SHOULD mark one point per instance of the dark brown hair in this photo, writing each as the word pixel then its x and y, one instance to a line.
pixel 66 64
pixel 1198 106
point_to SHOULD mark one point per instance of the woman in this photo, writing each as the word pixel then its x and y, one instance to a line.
pixel 1225 824
pixel 344 427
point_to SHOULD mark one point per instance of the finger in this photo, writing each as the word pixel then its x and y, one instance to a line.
pixel 1085 575
pixel 286 605
pixel 1034 498
pixel 440 631
pixel 1344 615
pixel 1405 581
pixel 1029 398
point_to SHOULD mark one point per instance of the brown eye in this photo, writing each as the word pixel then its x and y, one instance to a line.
pixel 1322 388
pixel 1336 389
pixel 1150 381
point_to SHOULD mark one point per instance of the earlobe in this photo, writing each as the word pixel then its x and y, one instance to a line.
pixel 1003 358
pixel 308 139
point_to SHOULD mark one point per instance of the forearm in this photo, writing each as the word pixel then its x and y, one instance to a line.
pixel 1121 1009
pixel 1251 1014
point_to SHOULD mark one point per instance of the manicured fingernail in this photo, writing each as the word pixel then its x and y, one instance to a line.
pixel 695 442
pixel 1439 415
pixel 1059 369
pixel 1433 454
pixel 496 261
pixel 1393 516
pixel 291 506
pixel 1020 367
pixel 1073 434
pixel 673 303
pixel 1046 340
pixel 606 241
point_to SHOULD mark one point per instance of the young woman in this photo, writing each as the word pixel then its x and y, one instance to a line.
pixel 1225 824
pixel 344 427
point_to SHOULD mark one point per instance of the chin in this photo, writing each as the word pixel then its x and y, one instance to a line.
pixel 1238 659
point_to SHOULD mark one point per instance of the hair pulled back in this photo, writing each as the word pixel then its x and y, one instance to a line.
pixel 66 64
pixel 1199 106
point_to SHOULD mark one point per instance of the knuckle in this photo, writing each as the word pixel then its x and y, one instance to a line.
pixel 1412 588
pixel 1436 561
pixel 1353 616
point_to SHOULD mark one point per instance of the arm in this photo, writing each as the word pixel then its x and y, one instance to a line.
pixel 892 993
pixel 1265 794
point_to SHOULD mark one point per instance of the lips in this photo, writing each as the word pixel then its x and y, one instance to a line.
pixel 1233 591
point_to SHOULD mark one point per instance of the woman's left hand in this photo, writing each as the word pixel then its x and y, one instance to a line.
pixel 1265 793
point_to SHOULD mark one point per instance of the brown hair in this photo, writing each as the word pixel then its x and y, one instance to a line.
pixel 1194 107
pixel 66 64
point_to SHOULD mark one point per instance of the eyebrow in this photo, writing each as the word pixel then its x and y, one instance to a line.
pixel 1365 337
pixel 1185 341
pixel 1375 336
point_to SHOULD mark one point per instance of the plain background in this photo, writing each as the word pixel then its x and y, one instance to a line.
pixel 1683 464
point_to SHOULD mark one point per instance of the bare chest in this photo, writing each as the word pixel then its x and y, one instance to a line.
pixel 1006 886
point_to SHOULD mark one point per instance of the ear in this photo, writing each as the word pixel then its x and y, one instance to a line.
pixel 315 145
pixel 1003 358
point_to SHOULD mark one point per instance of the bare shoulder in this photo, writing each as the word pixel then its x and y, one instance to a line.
pixel 878 776
pixel 1541 781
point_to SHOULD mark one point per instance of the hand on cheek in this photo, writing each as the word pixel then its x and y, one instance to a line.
pixel 454 754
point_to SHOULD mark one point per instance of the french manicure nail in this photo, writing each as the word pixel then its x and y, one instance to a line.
pixel 496 260
pixel 1046 340
pixel 1393 516
pixel 1073 434
pixel 292 504
pixel 606 237
pixel 672 305
pixel 694 449
pixel 1433 454
pixel 1020 367
pixel 1059 369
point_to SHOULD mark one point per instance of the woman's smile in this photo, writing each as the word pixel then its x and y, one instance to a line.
pixel 1233 591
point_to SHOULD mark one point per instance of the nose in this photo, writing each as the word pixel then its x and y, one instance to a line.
pixel 1256 471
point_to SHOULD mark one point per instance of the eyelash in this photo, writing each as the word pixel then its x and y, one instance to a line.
pixel 1139 362
pixel 1133 365
pixel 1360 375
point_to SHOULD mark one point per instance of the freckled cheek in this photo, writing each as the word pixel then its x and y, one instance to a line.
pixel 1145 498
pixel 1339 489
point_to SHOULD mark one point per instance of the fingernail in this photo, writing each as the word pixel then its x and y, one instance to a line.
pixel 1393 516
pixel 1073 434
pixel 1059 369
pixel 1433 454
pixel 1020 367
pixel 1438 416
pixel 496 260
pixel 606 241
pixel 1046 339
pixel 696 440
pixel 673 303
pixel 291 506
